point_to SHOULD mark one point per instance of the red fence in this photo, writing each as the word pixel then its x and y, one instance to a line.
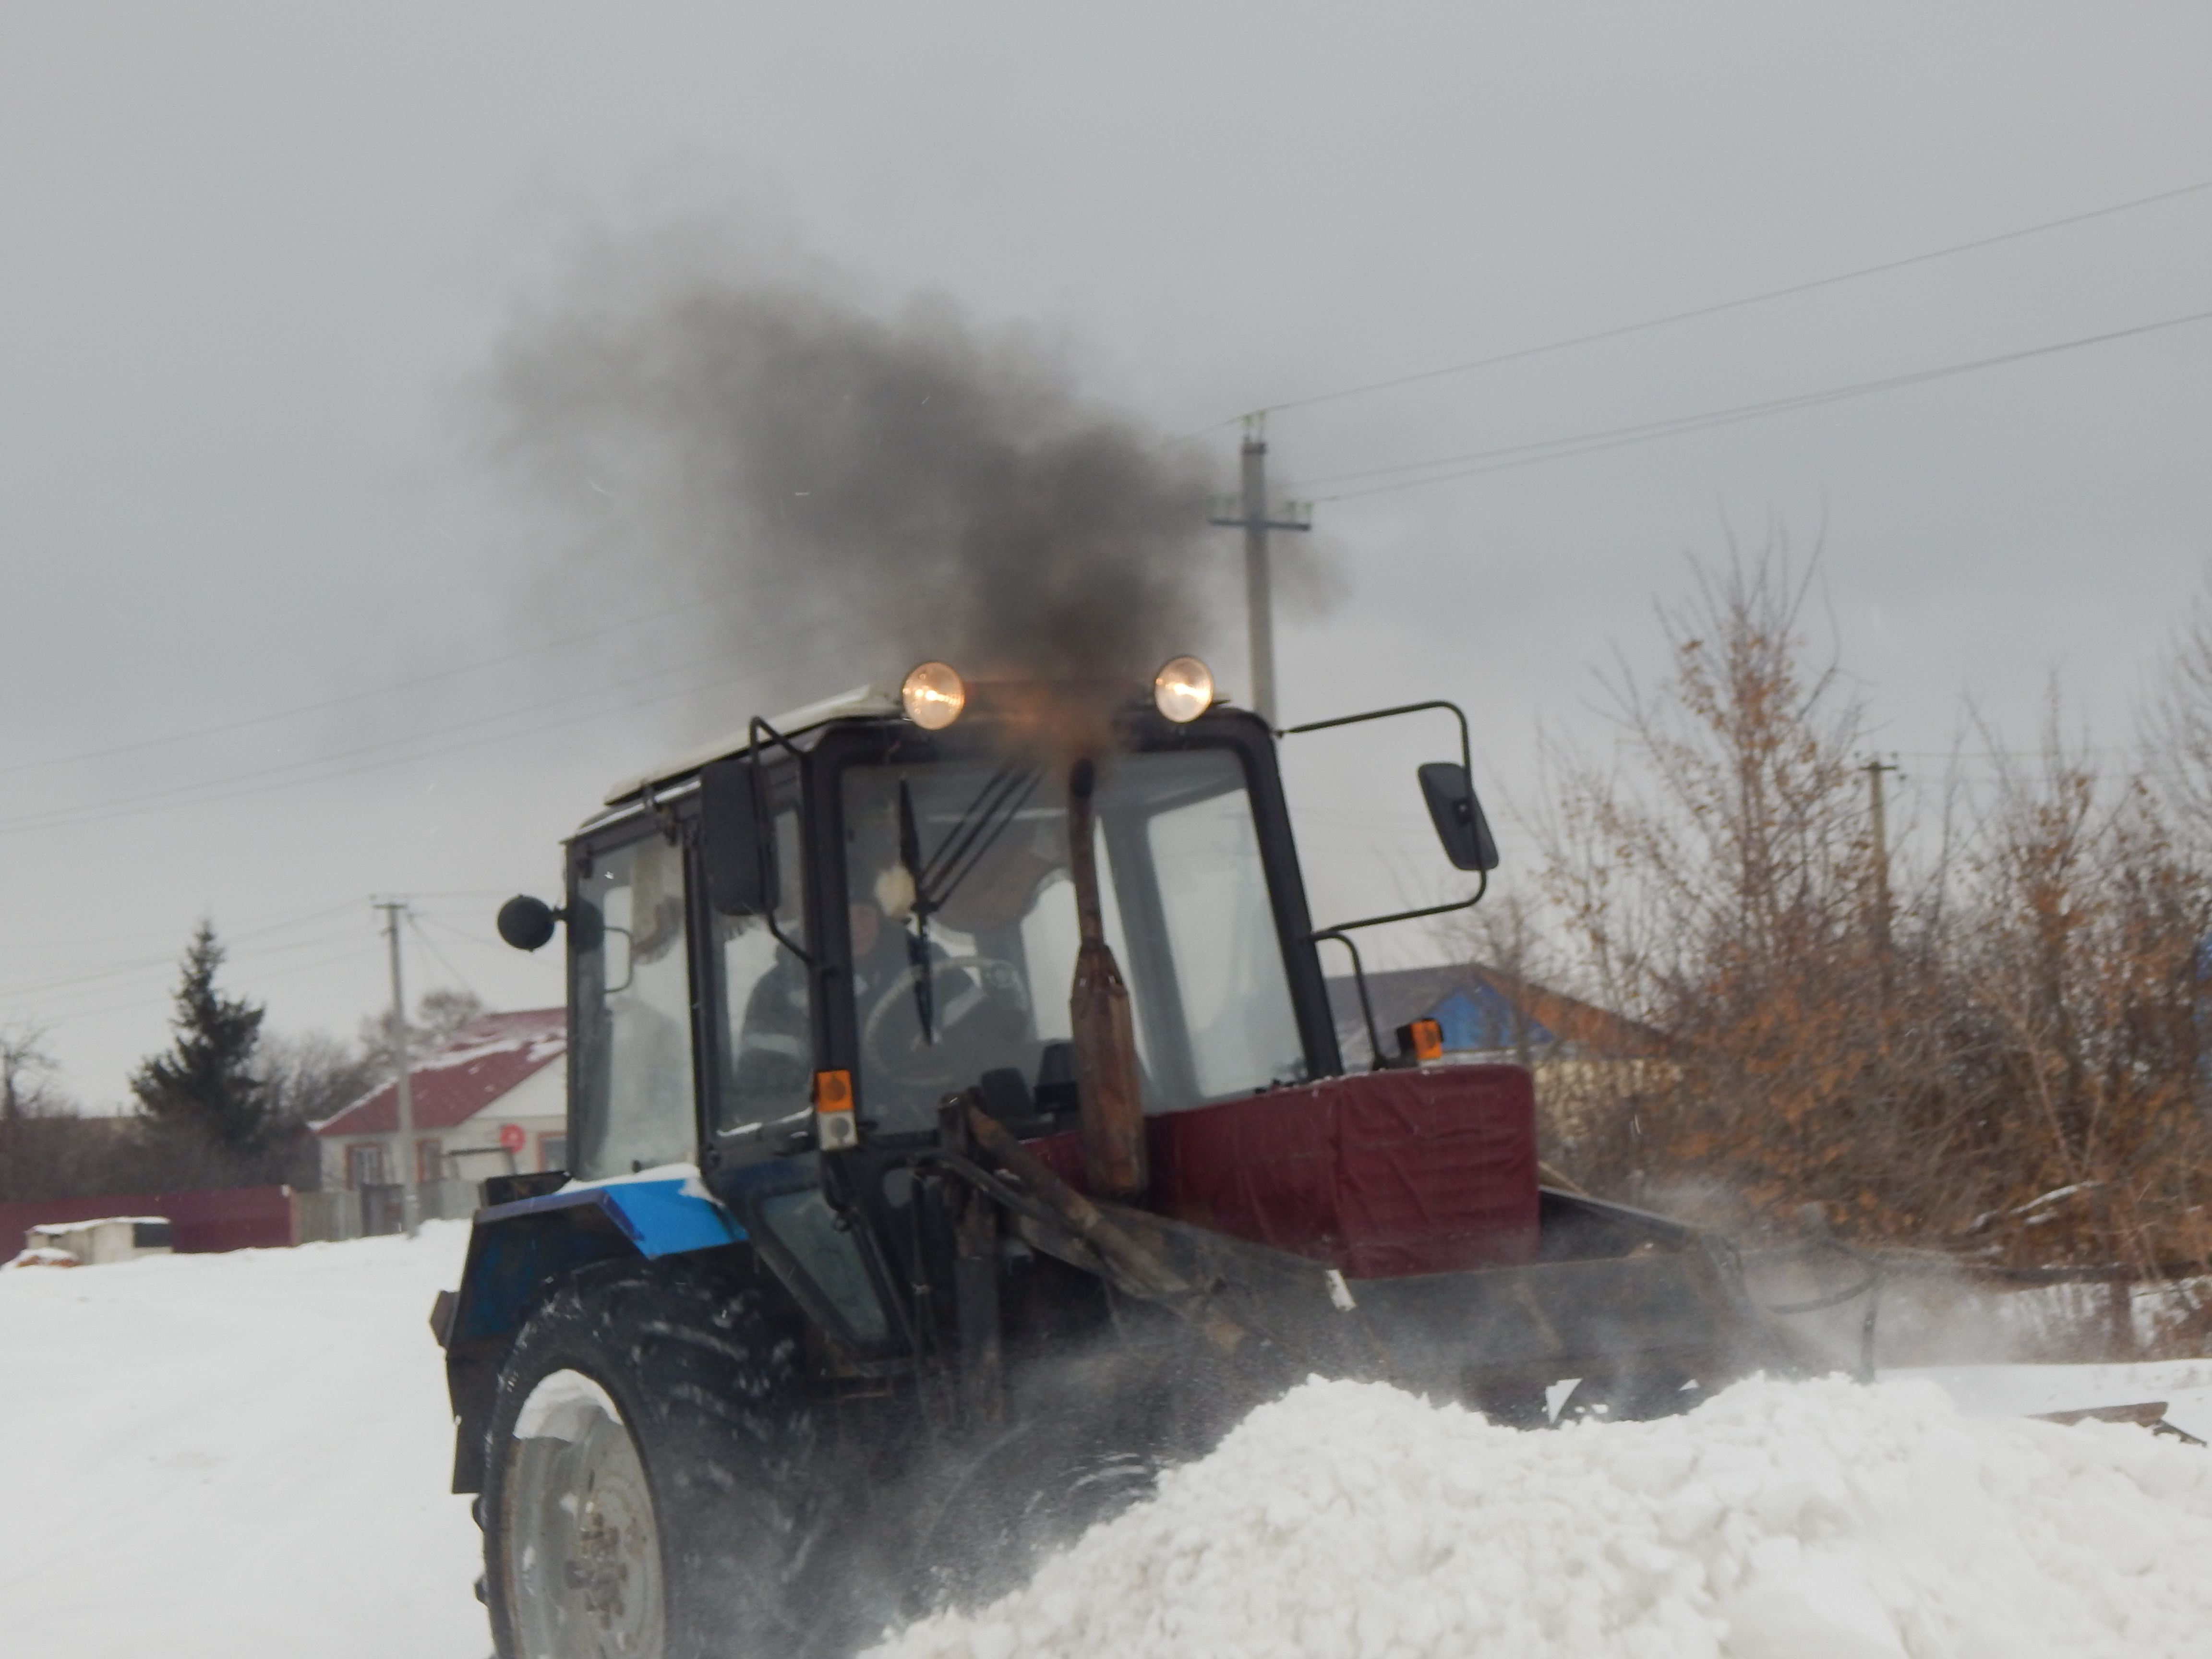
pixel 212 1218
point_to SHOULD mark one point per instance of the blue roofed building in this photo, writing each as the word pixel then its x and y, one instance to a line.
pixel 1583 1055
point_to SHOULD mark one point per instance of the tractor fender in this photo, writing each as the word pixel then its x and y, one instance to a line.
pixel 519 1251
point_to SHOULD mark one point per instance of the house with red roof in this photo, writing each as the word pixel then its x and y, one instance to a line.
pixel 494 1100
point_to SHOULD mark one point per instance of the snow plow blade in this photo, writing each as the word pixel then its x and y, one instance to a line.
pixel 1644 1332
pixel 1648 1314
pixel 2147 1414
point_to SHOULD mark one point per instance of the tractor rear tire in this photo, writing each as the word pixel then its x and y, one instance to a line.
pixel 649 1491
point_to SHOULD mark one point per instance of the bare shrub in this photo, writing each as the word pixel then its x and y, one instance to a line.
pixel 2010 1064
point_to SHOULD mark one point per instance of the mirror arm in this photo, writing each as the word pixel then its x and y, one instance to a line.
pixel 1466 748
pixel 1359 983
pixel 1482 886
pixel 790 944
pixel 754 730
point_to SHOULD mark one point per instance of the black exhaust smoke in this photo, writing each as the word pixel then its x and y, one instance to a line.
pixel 877 491
pixel 854 492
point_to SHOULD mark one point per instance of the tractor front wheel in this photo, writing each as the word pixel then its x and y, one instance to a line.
pixel 648 1481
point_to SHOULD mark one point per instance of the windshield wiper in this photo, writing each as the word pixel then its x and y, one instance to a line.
pixel 979 825
pixel 917 939
pixel 995 806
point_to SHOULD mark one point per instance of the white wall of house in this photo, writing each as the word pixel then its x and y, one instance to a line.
pixel 469 1151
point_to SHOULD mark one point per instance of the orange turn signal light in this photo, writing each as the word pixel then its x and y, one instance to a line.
pixel 836 1128
pixel 1422 1040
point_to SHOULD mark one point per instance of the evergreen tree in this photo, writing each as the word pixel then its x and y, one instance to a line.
pixel 206 1085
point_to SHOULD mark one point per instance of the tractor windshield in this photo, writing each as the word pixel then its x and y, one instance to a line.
pixel 963 930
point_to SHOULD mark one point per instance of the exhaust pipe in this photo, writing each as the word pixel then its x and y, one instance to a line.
pixel 1104 1032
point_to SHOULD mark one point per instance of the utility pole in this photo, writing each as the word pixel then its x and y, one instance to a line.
pixel 1259 587
pixel 410 1214
pixel 1880 825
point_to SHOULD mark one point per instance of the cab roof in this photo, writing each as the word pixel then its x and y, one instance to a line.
pixel 873 702
pixel 862 701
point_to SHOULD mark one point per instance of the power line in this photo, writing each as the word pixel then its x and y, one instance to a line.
pixel 467 938
pixel 97 980
pixel 351 953
pixel 94 981
pixel 70 818
pixel 1548 449
pixel 439 956
pixel 150 963
pixel 1696 312
pixel 338 702
pixel 2129 748
pixel 321 770
pixel 258 930
pixel 33 820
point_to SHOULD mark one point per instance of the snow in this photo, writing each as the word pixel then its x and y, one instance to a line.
pixel 246 1456
pixel 476 1043
pixel 234 1457
pixel 1814 1520
pixel 561 1407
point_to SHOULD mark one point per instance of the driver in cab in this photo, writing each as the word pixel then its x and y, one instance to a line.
pixel 926 1026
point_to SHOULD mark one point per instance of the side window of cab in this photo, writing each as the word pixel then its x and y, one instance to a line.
pixel 631 1053
pixel 764 1022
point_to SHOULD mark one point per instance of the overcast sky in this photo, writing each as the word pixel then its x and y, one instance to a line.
pixel 254 259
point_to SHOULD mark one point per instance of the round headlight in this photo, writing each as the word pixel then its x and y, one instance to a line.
pixel 933 696
pixel 1183 690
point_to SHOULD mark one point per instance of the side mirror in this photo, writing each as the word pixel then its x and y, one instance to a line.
pixel 738 846
pixel 526 922
pixel 1457 815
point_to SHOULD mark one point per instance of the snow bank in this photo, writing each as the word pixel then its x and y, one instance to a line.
pixel 246 1456
pixel 234 1457
pixel 1779 1520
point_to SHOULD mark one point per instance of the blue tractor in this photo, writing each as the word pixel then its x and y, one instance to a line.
pixel 958 1134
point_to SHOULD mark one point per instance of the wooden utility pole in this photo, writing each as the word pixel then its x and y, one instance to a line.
pixel 410 1209
pixel 1259 581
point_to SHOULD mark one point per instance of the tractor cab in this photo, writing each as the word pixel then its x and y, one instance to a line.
pixel 785 952
pixel 887 911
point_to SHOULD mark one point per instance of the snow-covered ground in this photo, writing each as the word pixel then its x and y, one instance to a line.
pixel 236 1456
pixel 246 1456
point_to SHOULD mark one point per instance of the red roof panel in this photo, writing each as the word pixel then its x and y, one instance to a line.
pixel 483 1060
